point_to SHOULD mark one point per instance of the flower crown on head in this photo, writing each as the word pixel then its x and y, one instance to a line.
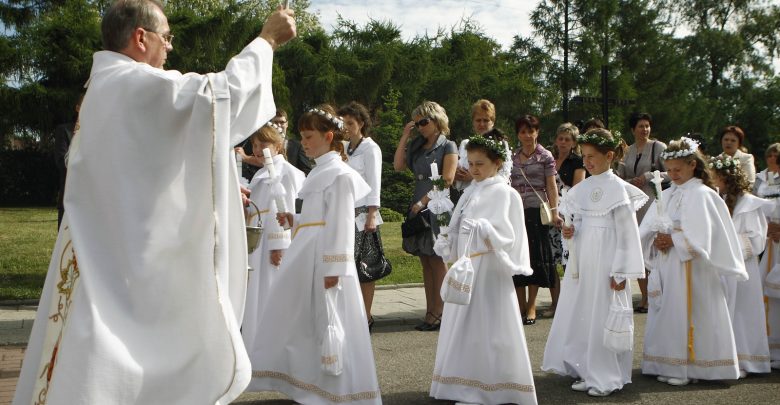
pixel 598 140
pixel 693 146
pixel 337 121
pixel 275 126
pixel 724 163
pixel 490 144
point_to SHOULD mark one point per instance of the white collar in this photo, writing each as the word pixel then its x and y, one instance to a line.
pixel 327 158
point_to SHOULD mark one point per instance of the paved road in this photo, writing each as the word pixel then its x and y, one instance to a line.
pixel 405 363
pixel 405 358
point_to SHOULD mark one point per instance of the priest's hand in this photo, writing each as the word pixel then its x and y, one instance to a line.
pixel 245 192
pixel 663 242
pixel 284 217
pixel 276 257
pixel 279 27
pixel 617 286
pixel 567 231
pixel 331 281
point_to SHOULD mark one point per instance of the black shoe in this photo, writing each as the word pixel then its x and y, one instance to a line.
pixel 433 326
pixel 529 321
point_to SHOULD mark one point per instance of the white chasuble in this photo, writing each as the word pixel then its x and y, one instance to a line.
pixel 482 355
pixel 606 245
pixel 745 298
pixel 286 355
pixel 688 332
pixel 155 222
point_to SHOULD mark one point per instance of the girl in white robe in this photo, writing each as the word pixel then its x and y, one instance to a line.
pixel 265 260
pixel 768 186
pixel 482 356
pixel 745 298
pixel 688 334
pixel 319 257
pixel 607 252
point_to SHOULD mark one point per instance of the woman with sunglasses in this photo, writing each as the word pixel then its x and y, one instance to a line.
pixel 417 154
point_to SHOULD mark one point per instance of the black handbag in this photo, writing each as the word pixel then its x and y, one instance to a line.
pixel 370 260
pixel 415 224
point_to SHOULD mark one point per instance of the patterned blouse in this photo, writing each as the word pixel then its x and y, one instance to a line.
pixel 537 168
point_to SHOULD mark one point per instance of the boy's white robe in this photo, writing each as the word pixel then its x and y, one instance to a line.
pixel 705 235
pixel 745 298
pixel 154 219
pixel 482 356
pixel 294 323
pixel 264 275
pixel 606 240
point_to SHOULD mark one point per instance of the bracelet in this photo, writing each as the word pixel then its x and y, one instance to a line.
pixel 419 204
pixel 554 209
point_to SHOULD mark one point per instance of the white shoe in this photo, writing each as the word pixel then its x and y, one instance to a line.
pixel 679 382
pixel 596 393
pixel 579 386
pixel 662 378
pixel 742 373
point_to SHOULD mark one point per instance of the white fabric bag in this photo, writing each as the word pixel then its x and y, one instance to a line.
pixel 459 280
pixel 619 326
pixel 333 340
pixel 772 283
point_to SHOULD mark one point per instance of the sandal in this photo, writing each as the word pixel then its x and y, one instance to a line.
pixel 435 325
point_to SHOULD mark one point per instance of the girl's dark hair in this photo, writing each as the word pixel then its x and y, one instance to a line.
pixel 736 184
pixel 489 152
pixel 603 149
pixel 312 121
pixel 358 112
pixel 527 120
pixel 700 171
pixel 495 134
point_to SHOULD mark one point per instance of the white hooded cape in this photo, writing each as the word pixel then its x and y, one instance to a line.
pixel 154 220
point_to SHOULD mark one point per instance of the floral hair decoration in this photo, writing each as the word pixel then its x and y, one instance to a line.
pixel 490 144
pixel 275 126
pixel 598 140
pixel 337 121
pixel 693 146
pixel 724 163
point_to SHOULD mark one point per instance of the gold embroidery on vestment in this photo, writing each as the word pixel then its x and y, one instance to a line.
pixel 358 396
pixel 685 362
pixel 483 386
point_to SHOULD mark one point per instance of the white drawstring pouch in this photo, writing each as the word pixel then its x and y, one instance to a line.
pixel 619 327
pixel 459 280
pixel 333 340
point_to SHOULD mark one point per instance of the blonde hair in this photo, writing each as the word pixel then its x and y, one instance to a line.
pixel 268 134
pixel 571 130
pixel 485 107
pixel 437 114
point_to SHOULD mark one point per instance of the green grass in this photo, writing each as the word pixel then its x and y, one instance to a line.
pixel 27 237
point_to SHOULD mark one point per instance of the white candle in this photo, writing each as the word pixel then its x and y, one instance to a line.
pixel 567 217
pixel 659 206
pixel 269 163
pixel 434 170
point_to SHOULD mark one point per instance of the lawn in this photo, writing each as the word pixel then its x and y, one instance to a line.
pixel 27 237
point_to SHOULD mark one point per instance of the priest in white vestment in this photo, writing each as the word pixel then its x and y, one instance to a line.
pixel 146 284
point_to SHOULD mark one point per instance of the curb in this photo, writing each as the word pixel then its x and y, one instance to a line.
pixel 397 286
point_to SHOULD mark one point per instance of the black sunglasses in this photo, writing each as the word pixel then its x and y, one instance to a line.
pixel 423 122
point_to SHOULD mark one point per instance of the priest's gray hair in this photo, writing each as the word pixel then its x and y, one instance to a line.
pixel 123 17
